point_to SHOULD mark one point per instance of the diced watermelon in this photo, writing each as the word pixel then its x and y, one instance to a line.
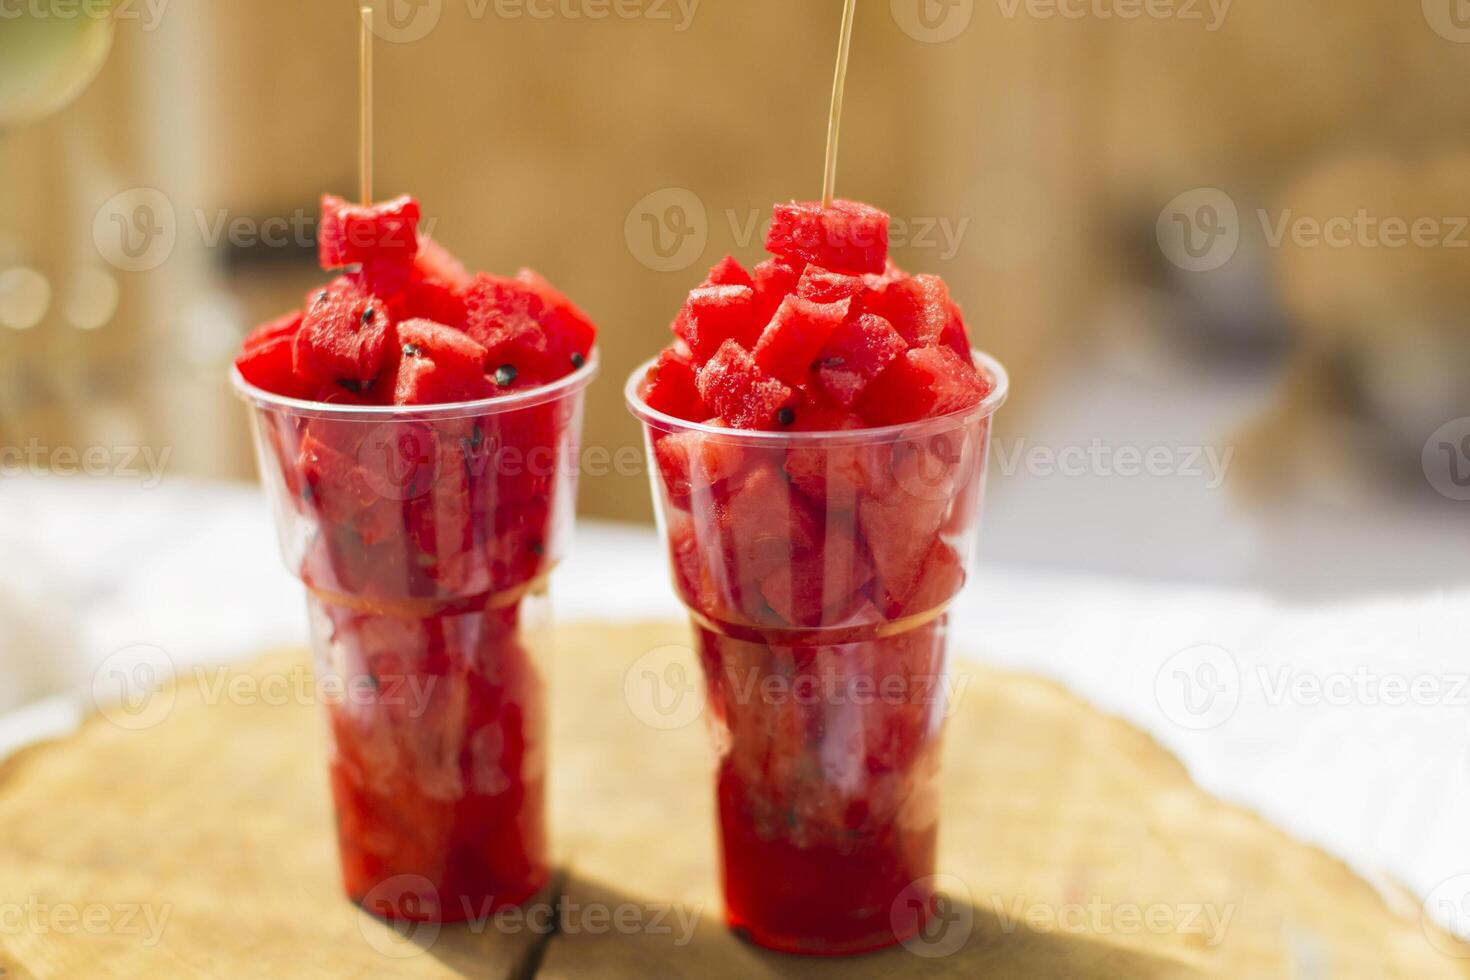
pixel 919 307
pixel 693 462
pixel 956 336
pixel 350 234
pixel 733 385
pixel 344 494
pixel 728 272
pixel 670 387
pixel 818 587
pixel 438 364
pixel 342 337
pixel 266 359
pixel 798 331
pixel 570 333
pixel 436 262
pixel 901 530
pixel 775 279
pixel 823 286
pixel 715 314
pixel 941 576
pixel 847 237
pixel 762 526
pixel 859 351
pixel 926 382
pixel 502 315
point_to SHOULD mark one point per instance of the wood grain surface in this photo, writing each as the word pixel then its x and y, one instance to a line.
pixel 1073 846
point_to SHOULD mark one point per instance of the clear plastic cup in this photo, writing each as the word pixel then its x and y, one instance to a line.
pixel 817 568
pixel 425 537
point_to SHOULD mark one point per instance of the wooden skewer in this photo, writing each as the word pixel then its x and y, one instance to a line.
pixel 834 120
pixel 365 107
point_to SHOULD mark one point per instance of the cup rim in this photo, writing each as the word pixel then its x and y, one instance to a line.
pixel 986 407
pixel 498 404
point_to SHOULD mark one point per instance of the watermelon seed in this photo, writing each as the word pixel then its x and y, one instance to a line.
pixel 367 315
pixel 412 350
pixel 578 360
pixel 538 549
pixel 321 297
pixel 505 375
pixel 786 416
pixel 353 386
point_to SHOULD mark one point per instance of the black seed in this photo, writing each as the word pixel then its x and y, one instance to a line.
pixel 367 315
pixel 412 350
pixel 786 416
pixel 538 549
pixel 505 375
pixel 578 360
pixel 476 436
pixel 353 386
pixel 321 297
pixel 307 493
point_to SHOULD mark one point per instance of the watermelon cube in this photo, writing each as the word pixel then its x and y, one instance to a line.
pixel 715 314
pixel 798 331
pixel 670 387
pixel 901 530
pixel 502 316
pixel 342 339
pixel 859 351
pixel 695 463
pixel 917 306
pixel 823 286
pixel 351 234
pixel 266 358
pixel 570 333
pixel 728 272
pixel 819 586
pixel 733 385
pixel 344 495
pixel 847 237
pixel 438 364
pixel 775 279
pixel 926 382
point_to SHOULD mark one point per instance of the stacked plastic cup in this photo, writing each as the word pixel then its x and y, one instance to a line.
pixel 425 537
pixel 817 568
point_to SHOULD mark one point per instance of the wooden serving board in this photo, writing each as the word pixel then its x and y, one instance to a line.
pixel 1075 846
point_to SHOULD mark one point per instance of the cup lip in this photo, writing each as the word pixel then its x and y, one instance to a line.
pixel 529 398
pixel 986 407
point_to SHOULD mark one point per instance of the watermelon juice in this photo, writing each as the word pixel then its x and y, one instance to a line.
pixel 417 433
pixel 819 431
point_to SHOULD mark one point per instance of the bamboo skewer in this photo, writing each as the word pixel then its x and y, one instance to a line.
pixel 365 107
pixel 839 87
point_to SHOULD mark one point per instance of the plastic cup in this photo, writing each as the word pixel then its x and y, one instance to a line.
pixel 425 537
pixel 817 568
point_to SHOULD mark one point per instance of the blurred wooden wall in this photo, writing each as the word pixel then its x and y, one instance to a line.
pixel 529 142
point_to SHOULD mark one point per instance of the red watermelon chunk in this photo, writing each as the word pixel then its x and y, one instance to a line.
pixel 728 272
pixel 438 364
pixel 859 351
pixel 941 576
pixel 344 495
pixel 901 529
pixel 926 382
pixel 775 279
pixel 502 316
pixel 798 331
pixel 670 387
pixel 847 237
pixel 820 586
pixel 570 333
pixel 342 337
pixel 917 306
pixel 435 262
pixel 350 234
pixel 694 462
pixel 266 359
pixel 823 286
pixel 733 385
pixel 763 526
pixel 715 314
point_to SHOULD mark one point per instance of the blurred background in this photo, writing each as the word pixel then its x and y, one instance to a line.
pixel 1224 248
